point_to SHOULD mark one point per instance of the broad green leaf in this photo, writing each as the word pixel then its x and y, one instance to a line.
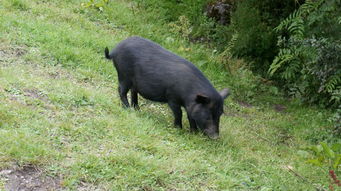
pixel 316 149
pixel 336 147
pixel 327 150
pixel 315 162
pixel 337 161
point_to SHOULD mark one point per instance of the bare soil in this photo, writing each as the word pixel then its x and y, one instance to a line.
pixel 29 179
pixel 279 108
pixel 244 104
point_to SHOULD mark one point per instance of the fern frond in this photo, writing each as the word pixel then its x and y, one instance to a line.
pixel 230 45
pixel 296 28
pixel 284 56
pixel 336 96
pixel 310 6
pixel 332 83
pixel 293 68
pixel 294 22
pixel 287 22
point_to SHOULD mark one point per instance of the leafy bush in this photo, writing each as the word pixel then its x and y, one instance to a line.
pixel 309 67
pixel 253 20
pixel 302 52
pixel 256 40
pixel 329 156
pixel 203 28
pixel 323 154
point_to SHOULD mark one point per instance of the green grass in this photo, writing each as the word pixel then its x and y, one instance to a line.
pixel 60 110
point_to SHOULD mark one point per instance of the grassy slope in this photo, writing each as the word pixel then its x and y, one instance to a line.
pixel 59 110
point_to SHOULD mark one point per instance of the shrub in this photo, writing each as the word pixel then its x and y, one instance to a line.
pixel 256 40
pixel 253 20
pixel 307 65
pixel 330 157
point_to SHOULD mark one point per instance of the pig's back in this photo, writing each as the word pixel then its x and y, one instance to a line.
pixel 156 72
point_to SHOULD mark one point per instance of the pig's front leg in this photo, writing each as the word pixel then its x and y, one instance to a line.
pixel 177 113
pixel 192 124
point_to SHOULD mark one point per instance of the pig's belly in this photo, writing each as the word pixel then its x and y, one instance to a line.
pixel 152 92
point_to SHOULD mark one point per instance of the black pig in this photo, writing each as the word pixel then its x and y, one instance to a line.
pixel 145 68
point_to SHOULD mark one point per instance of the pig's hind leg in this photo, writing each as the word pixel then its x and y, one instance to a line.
pixel 123 89
pixel 134 98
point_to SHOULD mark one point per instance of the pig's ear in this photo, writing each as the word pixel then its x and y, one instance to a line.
pixel 202 99
pixel 224 93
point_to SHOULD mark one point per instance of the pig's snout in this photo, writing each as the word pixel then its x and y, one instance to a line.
pixel 211 134
pixel 214 136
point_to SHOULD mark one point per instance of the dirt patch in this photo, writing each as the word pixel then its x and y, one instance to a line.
pixel 283 136
pixel 84 186
pixel 54 75
pixel 279 108
pixel 29 179
pixel 58 73
pixel 244 104
pixel 36 94
pixel 7 53
pixel 18 95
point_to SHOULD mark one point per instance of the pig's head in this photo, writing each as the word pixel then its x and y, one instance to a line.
pixel 206 112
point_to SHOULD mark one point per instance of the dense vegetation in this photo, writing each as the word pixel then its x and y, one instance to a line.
pixel 296 44
pixel 60 112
